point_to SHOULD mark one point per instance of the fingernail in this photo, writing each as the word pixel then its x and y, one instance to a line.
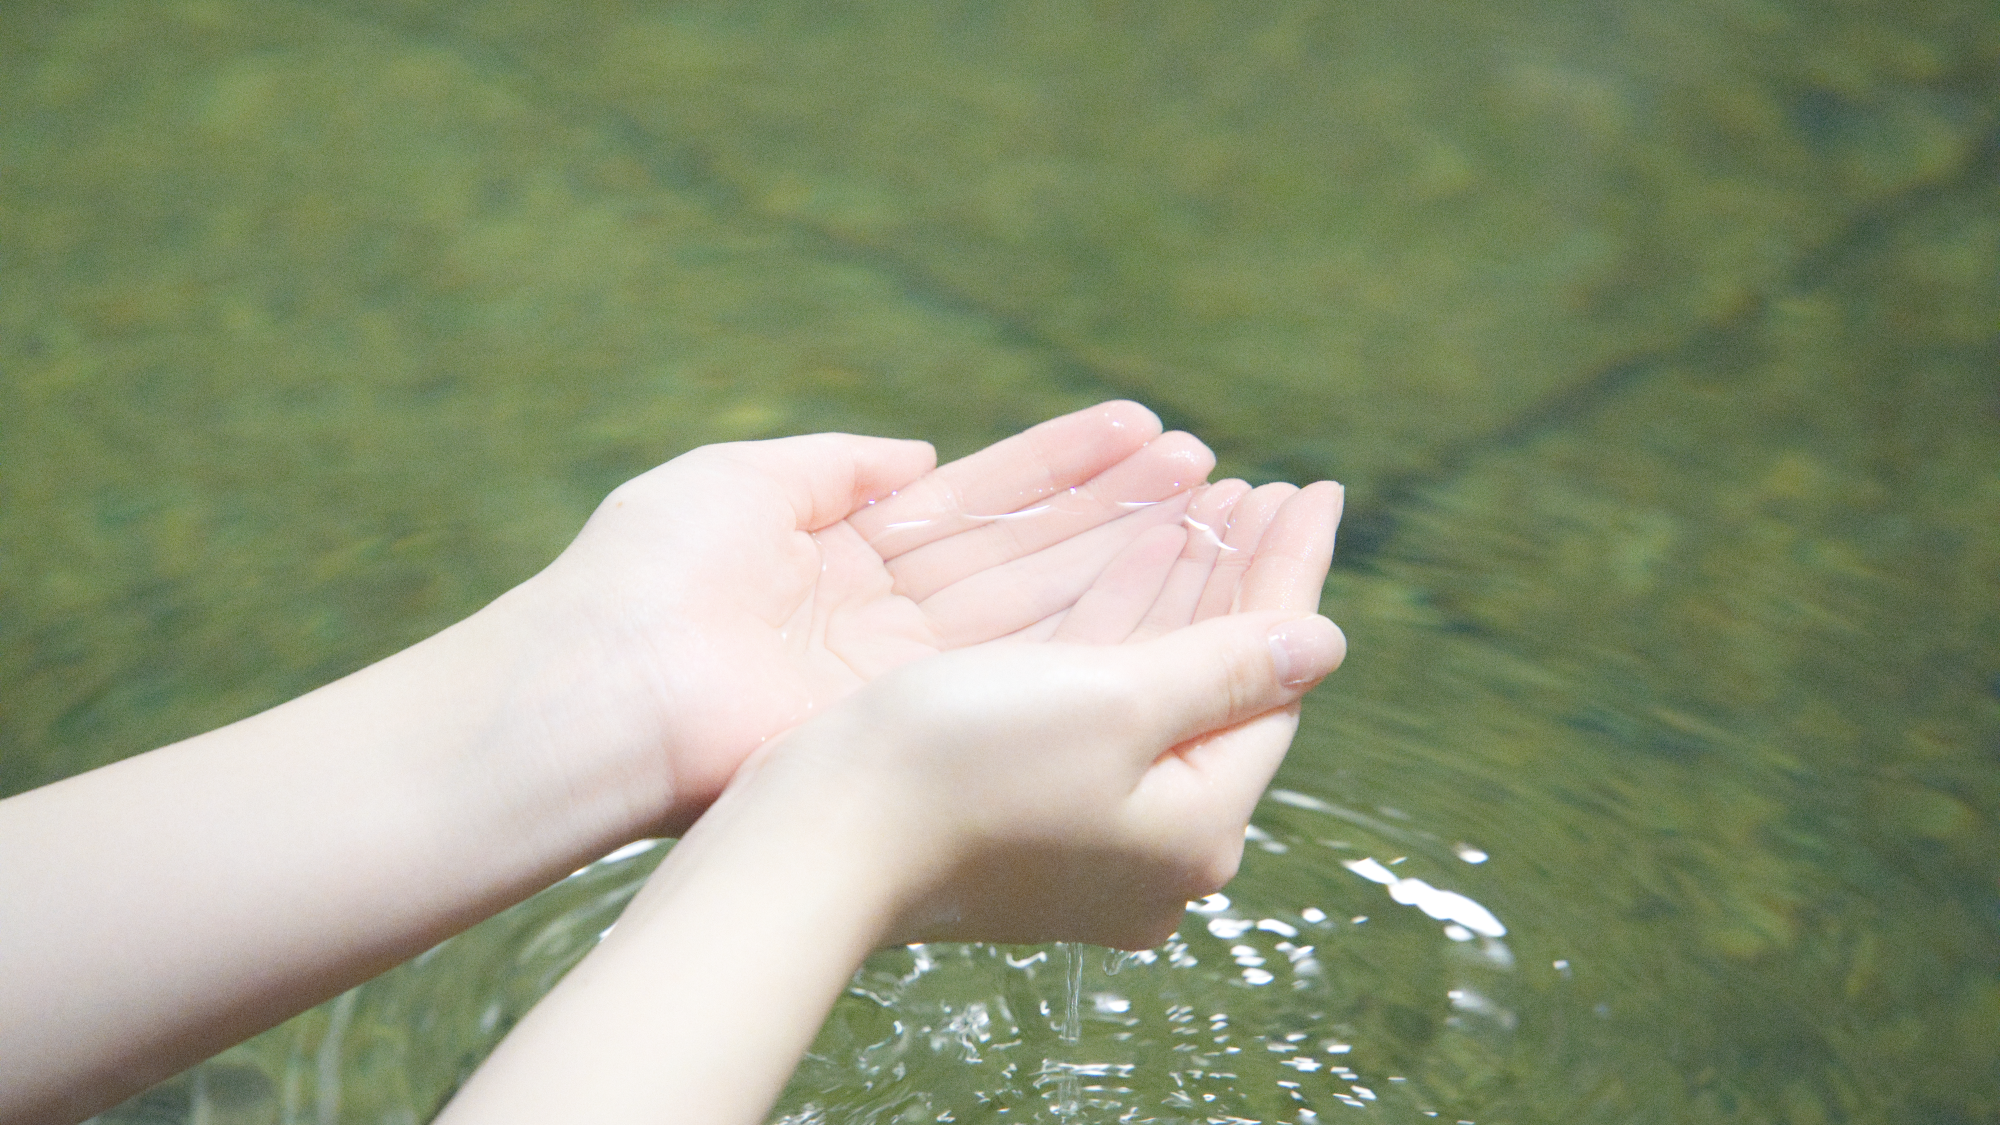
pixel 1306 649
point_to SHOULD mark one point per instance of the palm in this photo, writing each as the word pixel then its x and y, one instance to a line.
pixel 758 583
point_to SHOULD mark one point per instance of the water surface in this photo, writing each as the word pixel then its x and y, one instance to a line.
pixel 1657 344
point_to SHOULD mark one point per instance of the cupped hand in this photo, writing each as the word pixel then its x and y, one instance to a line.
pixel 1086 789
pixel 1007 791
pixel 737 590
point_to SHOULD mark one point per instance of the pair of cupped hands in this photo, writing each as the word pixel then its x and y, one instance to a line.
pixel 1029 696
pixel 1040 689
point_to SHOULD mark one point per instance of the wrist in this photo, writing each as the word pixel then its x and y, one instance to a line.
pixel 791 846
pixel 713 982
pixel 542 733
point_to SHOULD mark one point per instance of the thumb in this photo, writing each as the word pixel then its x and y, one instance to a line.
pixel 1220 672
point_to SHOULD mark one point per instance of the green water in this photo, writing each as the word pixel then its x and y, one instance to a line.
pixel 1658 345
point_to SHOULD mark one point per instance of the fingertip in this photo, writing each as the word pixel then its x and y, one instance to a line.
pixel 1213 502
pixel 1331 493
pixel 915 448
pixel 1318 506
pixel 1255 510
pixel 1123 414
pixel 1190 456
pixel 886 465
pixel 1305 649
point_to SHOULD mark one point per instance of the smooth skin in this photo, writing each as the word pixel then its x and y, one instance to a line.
pixel 1084 789
pixel 162 908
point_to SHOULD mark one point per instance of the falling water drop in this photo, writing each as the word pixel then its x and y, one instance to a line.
pixel 1072 1029
pixel 1069 1095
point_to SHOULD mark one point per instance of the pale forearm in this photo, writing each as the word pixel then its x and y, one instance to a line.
pixel 709 989
pixel 158 910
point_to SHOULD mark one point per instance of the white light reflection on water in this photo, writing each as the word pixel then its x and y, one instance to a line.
pixel 635 848
pixel 1268 1004
pixel 1263 1007
pixel 1445 906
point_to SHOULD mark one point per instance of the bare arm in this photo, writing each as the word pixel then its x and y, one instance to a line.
pixel 159 909
pixel 164 907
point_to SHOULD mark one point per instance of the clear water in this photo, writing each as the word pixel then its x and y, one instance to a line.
pixel 1657 344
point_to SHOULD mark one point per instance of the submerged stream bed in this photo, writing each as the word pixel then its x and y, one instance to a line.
pixel 1657 344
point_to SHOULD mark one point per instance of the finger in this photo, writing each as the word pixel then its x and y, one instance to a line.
pixel 1292 557
pixel 1004 599
pixel 1247 521
pixel 827 476
pixel 1201 795
pixel 1206 521
pixel 1215 674
pixel 1244 756
pixel 1008 475
pixel 1114 605
pixel 1166 467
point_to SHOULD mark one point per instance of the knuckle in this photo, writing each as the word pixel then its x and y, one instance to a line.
pixel 1242 685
